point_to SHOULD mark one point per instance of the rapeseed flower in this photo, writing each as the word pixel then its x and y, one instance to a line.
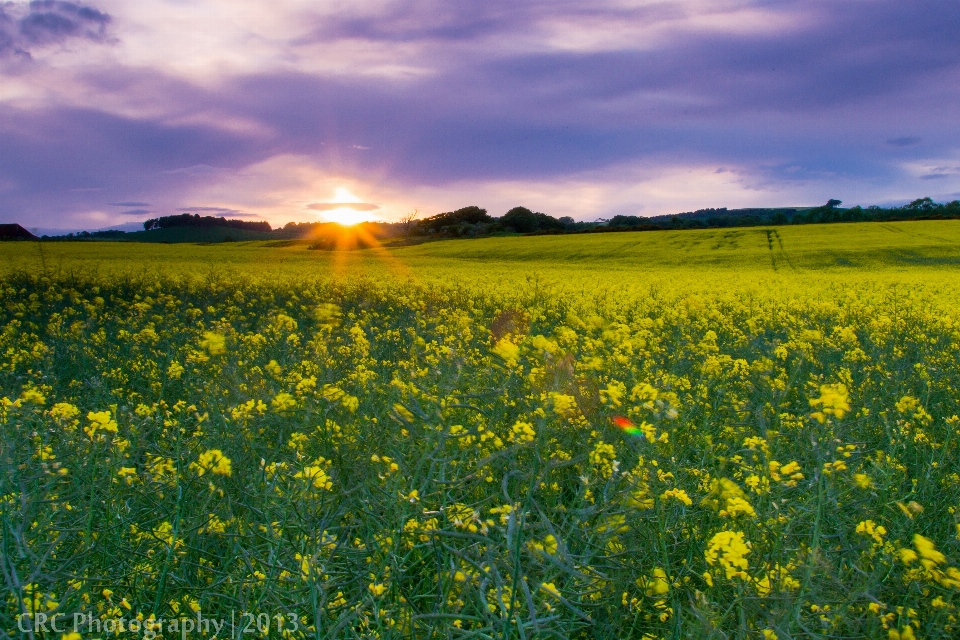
pixel 677 494
pixel 522 433
pixel 508 351
pixel 833 401
pixel 214 343
pixel 729 550
pixel 213 461
pixel 100 421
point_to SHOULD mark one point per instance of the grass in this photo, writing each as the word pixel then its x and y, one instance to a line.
pixel 706 434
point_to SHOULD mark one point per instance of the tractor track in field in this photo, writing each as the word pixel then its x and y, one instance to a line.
pixel 774 235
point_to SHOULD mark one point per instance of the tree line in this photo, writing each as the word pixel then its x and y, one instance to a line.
pixel 474 221
pixel 204 222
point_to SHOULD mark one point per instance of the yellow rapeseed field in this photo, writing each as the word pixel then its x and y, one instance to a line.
pixel 744 433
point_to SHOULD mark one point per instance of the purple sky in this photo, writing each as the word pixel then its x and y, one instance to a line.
pixel 114 111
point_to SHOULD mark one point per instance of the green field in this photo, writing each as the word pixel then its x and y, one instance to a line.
pixel 844 248
pixel 742 433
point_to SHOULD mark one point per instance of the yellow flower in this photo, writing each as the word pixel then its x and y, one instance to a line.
pixel 678 494
pixel 100 421
pixel 316 475
pixel 283 402
pixel 737 506
pixel 214 343
pixel 403 412
pixel 830 468
pixel 377 589
pixel 658 585
pixel 729 550
pixel 862 480
pixel 905 633
pixel 907 556
pixel 563 405
pixel 833 401
pixel 728 498
pixel 463 517
pixel 550 589
pixel 613 394
pixel 548 546
pixel 34 396
pixel 213 461
pixel 603 457
pixel 522 433
pixel 327 314
pixel 907 404
pixel 508 351
pixel 912 509
pixel 927 550
pixel 63 411
pixel 871 529
pixel 129 474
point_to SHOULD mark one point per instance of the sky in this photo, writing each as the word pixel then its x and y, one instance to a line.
pixel 115 111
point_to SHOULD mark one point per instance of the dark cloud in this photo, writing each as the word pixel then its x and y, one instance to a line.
pixel 906 141
pixel 129 204
pixel 135 212
pixel 58 161
pixel 45 22
pixel 819 95
pixel 356 206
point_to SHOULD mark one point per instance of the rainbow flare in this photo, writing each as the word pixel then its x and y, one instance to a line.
pixel 627 425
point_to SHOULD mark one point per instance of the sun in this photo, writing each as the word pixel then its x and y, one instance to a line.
pixel 346 216
pixel 345 208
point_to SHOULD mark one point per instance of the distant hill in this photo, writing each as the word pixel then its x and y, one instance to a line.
pixel 15 232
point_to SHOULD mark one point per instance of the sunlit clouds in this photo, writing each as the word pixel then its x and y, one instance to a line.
pixel 571 108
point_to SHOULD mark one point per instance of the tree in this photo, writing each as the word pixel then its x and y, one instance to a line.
pixel 408 221
pixel 523 220
pixel 624 221
pixel 922 204
pixel 520 219
pixel 466 215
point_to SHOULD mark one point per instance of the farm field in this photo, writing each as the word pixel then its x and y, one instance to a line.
pixel 741 433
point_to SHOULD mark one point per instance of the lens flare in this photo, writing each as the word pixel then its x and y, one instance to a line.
pixel 627 426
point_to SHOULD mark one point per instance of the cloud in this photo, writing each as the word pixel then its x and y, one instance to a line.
pixel 257 108
pixel 330 206
pixel 135 212
pixel 417 20
pixel 906 141
pixel 45 22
